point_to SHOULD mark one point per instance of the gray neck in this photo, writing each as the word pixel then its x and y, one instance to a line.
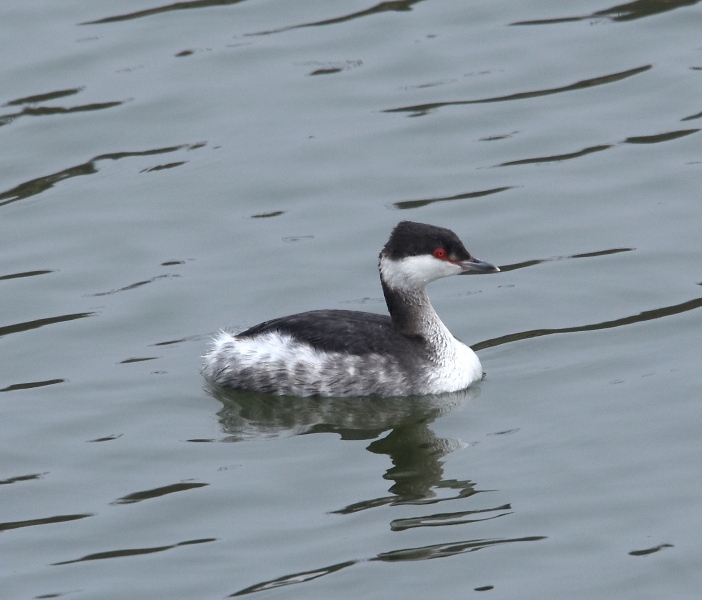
pixel 413 315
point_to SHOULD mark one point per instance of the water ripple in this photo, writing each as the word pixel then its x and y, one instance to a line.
pixel 556 157
pixel 423 109
pixel 406 554
pixel 27 325
pixel 641 139
pixel 647 551
pixel 133 286
pixel 621 12
pixel 45 521
pixel 417 488
pixel 132 551
pixel 162 9
pixel 538 261
pixel 46 182
pixel 647 315
pixel 55 95
pixel 157 492
pixel 660 137
pixel 136 359
pixel 450 549
pixel 36 111
pixel 30 385
pixel 19 478
pixel 390 6
pixel 453 518
pixel 25 274
pixel 300 577
pixel 41 111
pixel 692 117
pixel 404 204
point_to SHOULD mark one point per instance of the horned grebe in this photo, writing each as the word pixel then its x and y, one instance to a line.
pixel 352 353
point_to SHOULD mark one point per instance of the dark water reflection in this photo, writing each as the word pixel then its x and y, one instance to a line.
pixel 410 204
pixel 46 182
pixel 163 9
pixel 250 416
pixel 381 7
pixel 621 12
pixel 647 315
pixel 419 110
pixel 537 261
pixel 6 526
pixel 413 448
pixel 639 139
pixel 124 552
pixel 405 554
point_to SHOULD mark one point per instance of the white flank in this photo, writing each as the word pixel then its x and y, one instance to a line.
pixel 270 348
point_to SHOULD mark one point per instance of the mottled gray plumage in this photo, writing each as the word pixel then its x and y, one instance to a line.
pixel 352 353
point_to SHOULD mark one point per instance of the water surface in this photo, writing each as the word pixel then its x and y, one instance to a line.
pixel 171 169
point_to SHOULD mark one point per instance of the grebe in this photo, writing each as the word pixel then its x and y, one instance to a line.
pixel 352 353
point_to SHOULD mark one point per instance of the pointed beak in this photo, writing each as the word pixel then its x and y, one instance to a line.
pixel 475 264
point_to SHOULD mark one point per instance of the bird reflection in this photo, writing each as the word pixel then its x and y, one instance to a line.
pixel 413 448
pixel 399 428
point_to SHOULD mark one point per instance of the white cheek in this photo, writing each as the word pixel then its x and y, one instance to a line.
pixel 415 272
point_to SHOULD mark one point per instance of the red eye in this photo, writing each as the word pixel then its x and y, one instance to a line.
pixel 440 253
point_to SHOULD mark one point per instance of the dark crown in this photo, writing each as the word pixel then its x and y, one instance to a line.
pixel 414 239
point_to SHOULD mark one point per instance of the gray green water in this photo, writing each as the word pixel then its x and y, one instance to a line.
pixel 171 169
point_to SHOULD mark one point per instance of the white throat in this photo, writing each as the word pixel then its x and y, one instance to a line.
pixel 415 272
